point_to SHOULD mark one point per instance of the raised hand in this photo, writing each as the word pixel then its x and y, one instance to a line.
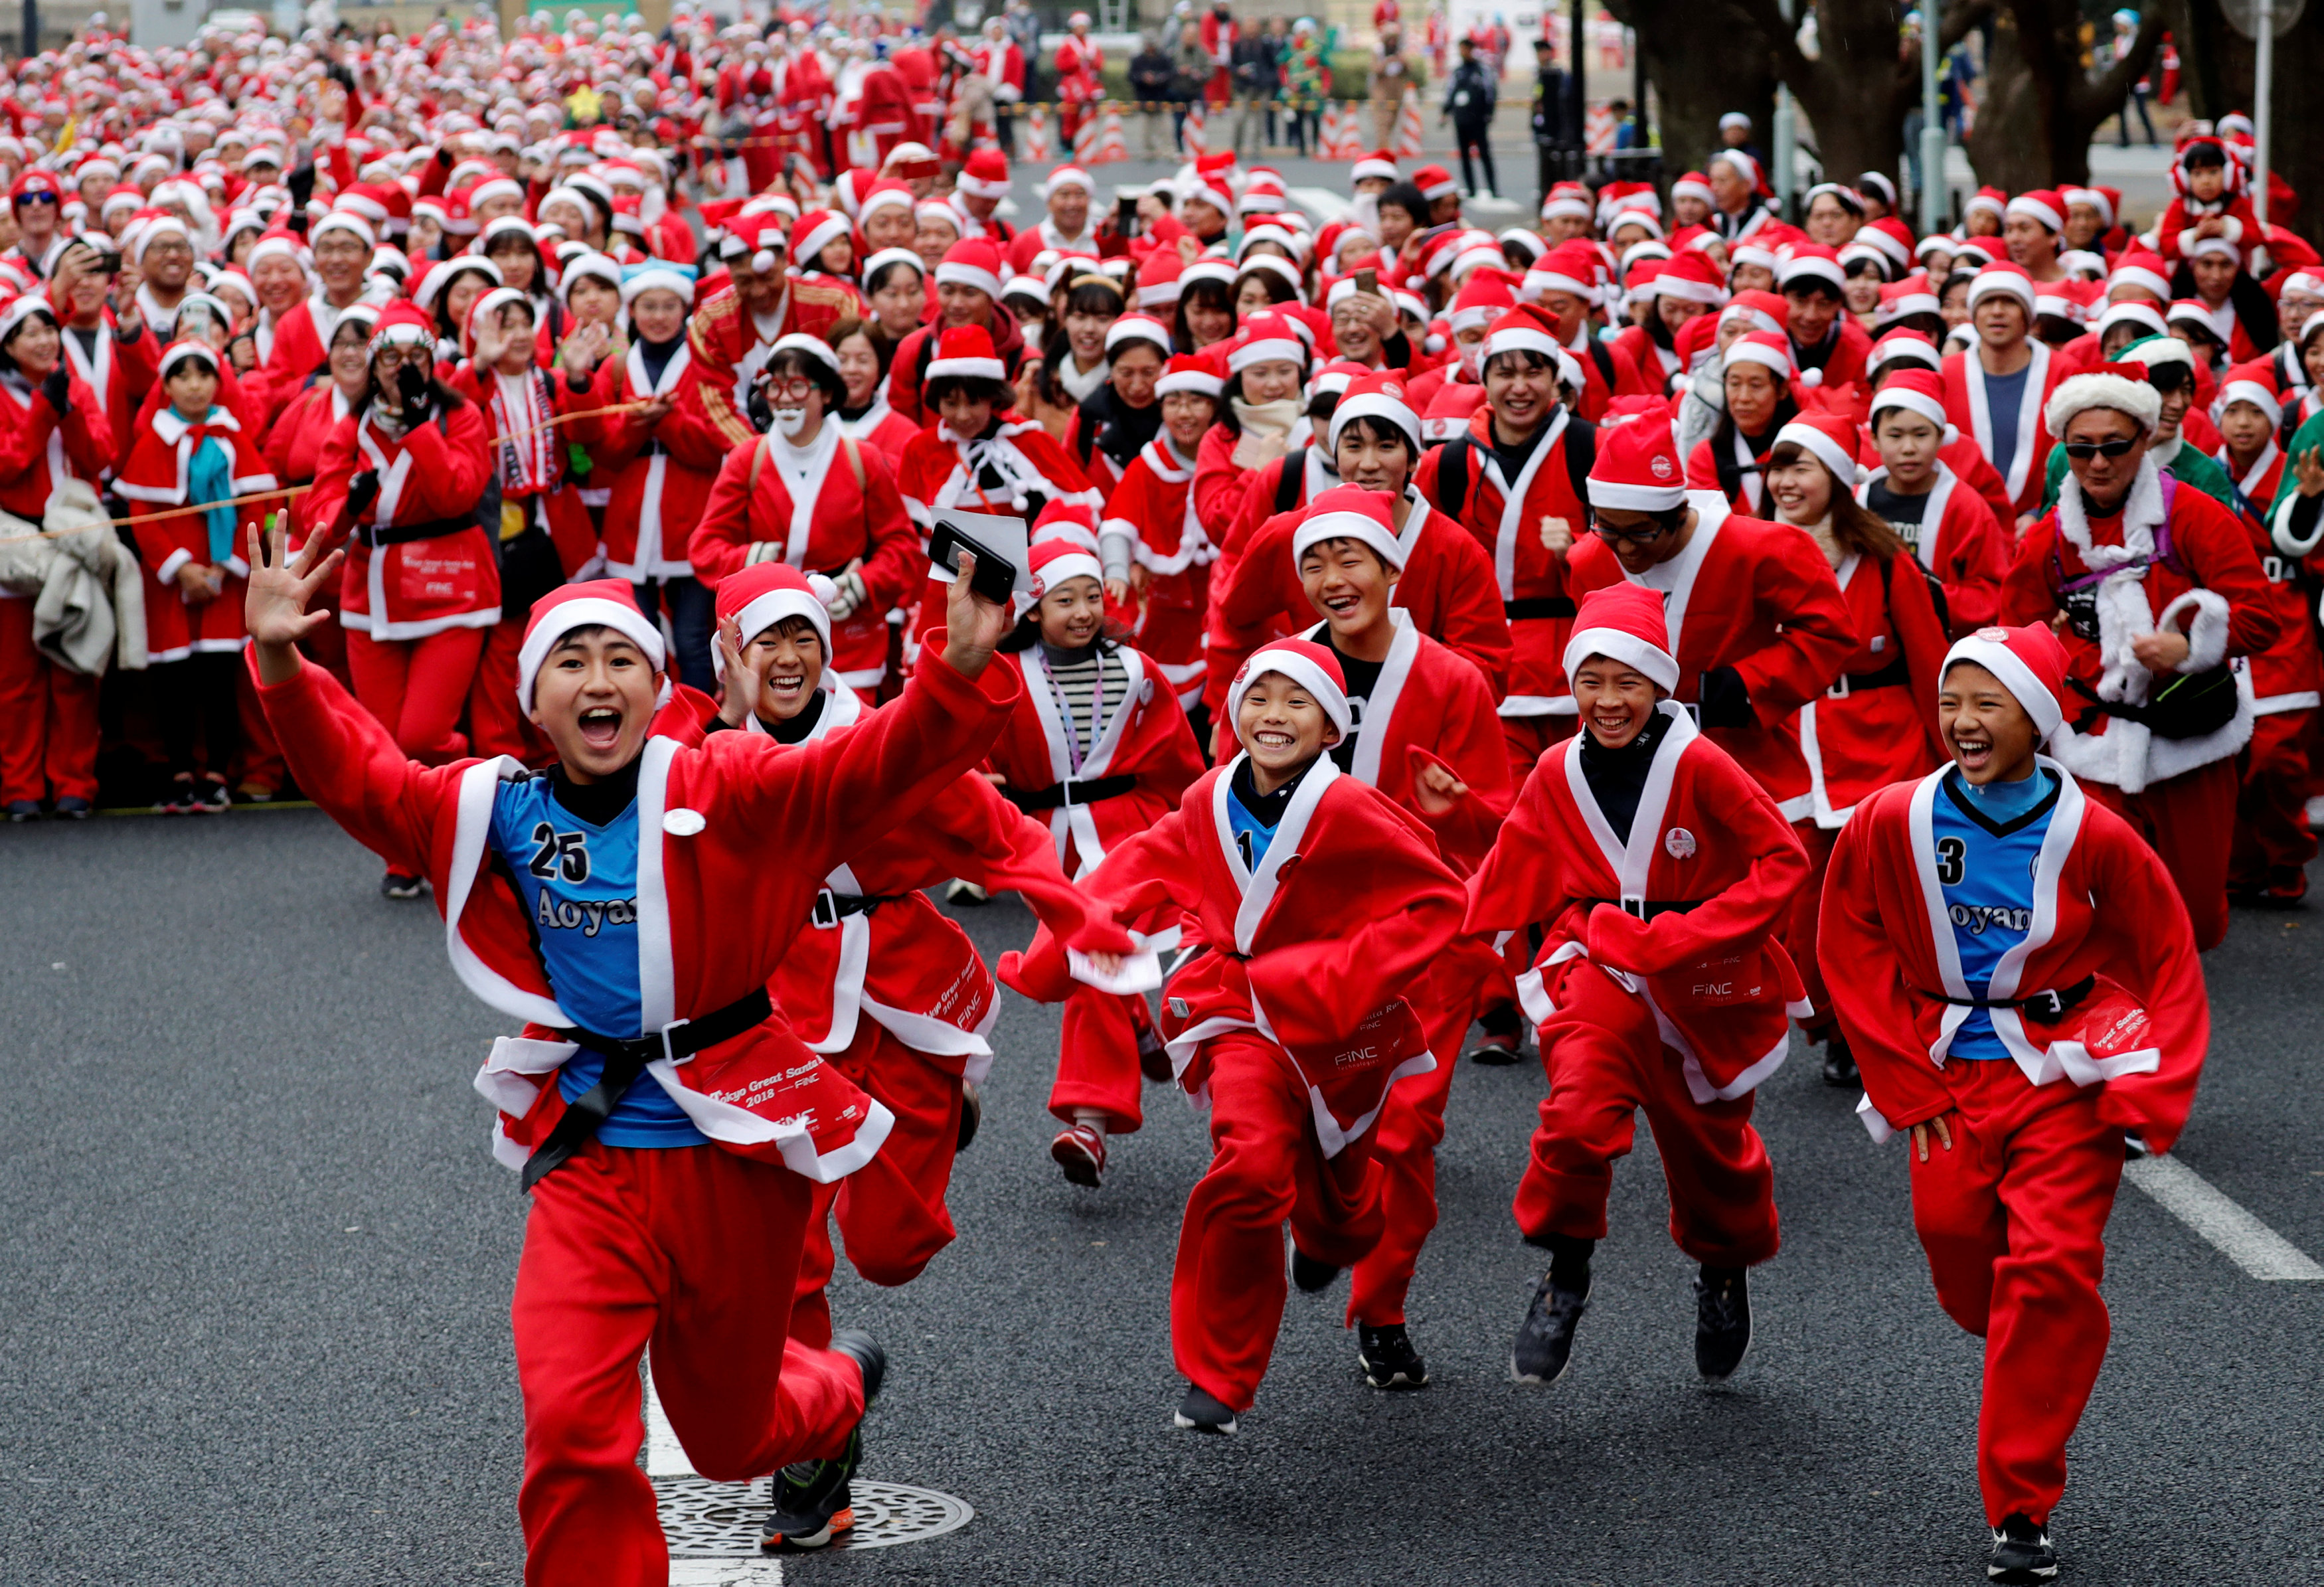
pixel 745 678
pixel 275 599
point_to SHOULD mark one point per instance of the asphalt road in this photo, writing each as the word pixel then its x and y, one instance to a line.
pixel 253 1286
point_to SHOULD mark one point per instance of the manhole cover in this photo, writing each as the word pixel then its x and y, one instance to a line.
pixel 721 1520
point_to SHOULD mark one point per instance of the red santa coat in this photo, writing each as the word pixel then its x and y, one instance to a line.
pixel 1081 65
pixel 2210 585
pixel 660 474
pixel 940 472
pixel 118 373
pixel 1447 586
pixel 1705 834
pixel 908 370
pixel 1153 508
pixel 1318 950
pixel 300 346
pixel 735 847
pixel 530 456
pixel 1877 724
pixel 1507 517
pixel 851 512
pixel 1959 540
pixel 430 479
pixel 1145 738
pixel 2103 906
pixel 1843 362
pixel 295 443
pixel 1966 406
pixel 1756 597
pixel 38 449
pixel 154 475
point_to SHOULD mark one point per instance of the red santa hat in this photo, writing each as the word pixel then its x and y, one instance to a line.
pixel 1483 298
pixel 1912 295
pixel 1991 200
pixel 2042 205
pixel 2253 382
pixel 1623 622
pixel 1454 404
pixel 1830 438
pixel 2097 199
pixel 403 325
pixel 1348 512
pixel 965 352
pixel 972 262
pixel 2012 278
pixel 1915 391
pixel 885 194
pixel 1435 182
pixel 1158 279
pixel 1693 184
pixel 2145 271
pixel 764 593
pixel 985 175
pixel 1571 201
pixel 1068 176
pixel 1379 162
pixel 815 231
pixel 2121 387
pixel 1266 336
pixel 1138 327
pixel 1691 276
pixel 1812 261
pixel 1204 373
pixel 1572 268
pixel 598 603
pixel 1769 349
pixel 2029 661
pixel 1380 394
pixel 1525 329
pixel 1054 561
pixel 1312 667
pixel 1638 469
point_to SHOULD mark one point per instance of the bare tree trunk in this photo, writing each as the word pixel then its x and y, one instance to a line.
pixel 2042 105
pixel 1693 85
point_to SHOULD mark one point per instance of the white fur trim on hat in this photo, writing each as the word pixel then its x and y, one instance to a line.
pixel 1995 657
pixel 2261 397
pixel 815 347
pixel 2028 207
pixel 968 275
pixel 1318 527
pixel 1301 670
pixel 774 607
pixel 2083 392
pixel 1519 338
pixel 1986 282
pixel 1052 574
pixel 1375 405
pixel 1911 402
pixel 1745 351
pixel 1267 350
pixel 1823 449
pixel 586 612
pixel 340 220
pixel 1618 644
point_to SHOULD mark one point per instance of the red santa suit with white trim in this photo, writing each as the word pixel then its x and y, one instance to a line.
pixel 625 1244
pixel 1292 1020
pixel 2101 988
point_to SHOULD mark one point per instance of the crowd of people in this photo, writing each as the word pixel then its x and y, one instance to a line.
pixel 1605 626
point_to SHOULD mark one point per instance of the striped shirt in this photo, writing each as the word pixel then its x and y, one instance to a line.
pixel 1084 680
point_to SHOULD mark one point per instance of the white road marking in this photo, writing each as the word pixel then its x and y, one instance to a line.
pixel 1323 204
pixel 726 1573
pixel 664 1457
pixel 2243 1238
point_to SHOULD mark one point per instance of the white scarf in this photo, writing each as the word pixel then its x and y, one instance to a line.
pixel 2122 609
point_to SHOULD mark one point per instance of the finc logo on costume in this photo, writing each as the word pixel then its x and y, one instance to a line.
pixel 1662 467
pixel 1678 843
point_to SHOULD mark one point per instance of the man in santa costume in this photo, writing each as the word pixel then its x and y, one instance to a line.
pixel 734 332
pixel 1661 871
pixel 1081 64
pixel 631 906
pixel 1564 282
pixel 2018 979
pixel 2158 589
pixel 342 245
pixel 1067 228
pixel 1996 389
pixel 976 194
pixel 1322 909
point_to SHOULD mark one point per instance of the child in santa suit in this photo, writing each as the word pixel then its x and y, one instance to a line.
pixel 889 989
pixel 2018 978
pixel 1662 871
pixel 1098 751
pixel 1156 552
pixel 2158 589
pixel 1320 909
pixel 1425 734
pixel 1949 527
pixel 808 496
pixel 631 905
pixel 193 450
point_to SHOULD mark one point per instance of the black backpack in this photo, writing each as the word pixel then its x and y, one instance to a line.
pixel 1454 466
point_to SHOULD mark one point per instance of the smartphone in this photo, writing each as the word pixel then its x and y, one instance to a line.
pixel 1367 281
pixel 1125 216
pixel 194 323
pixel 996 575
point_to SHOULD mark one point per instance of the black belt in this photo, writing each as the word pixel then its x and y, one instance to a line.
pixel 397 534
pixel 1071 791
pixel 1896 675
pixel 832 907
pixel 625 1060
pixel 2051 1004
pixel 1647 908
pixel 1537 606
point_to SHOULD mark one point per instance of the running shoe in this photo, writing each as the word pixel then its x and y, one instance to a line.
pixel 177 799
pixel 24 810
pixel 1199 1413
pixel 1080 1151
pixel 1839 1063
pixel 73 808
pixel 1312 1277
pixel 209 797
pixel 395 884
pixel 1388 1358
pixel 1497 1051
pixel 2021 1555
pixel 958 892
pixel 1722 1323
pixel 1544 1345
pixel 812 1502
pixel 1153 1056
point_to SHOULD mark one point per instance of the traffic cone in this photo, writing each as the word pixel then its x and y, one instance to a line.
pixel 1407 127
pixel 1329 137
pixel 1084 139
pixel 1033 136
pixel 1598 129
pixel 1110 144
pixel 1351 134
pixel 1197 143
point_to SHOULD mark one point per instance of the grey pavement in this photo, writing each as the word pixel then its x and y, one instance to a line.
pixel 257 1260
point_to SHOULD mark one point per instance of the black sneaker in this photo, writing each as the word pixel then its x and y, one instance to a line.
pixel 972 1114
pixel 73 808
pixel 177 799
pixel 1388 1358
pixel 1722 1323
pixel 1839 1063
pixel 1311 1275
pixel 1494 1052
pixel 812 1502
pixel 1199 1413
pixel 2021 1554
pixel 24 810
pixel 395 884
pixel 1544 1345
pixel 209 797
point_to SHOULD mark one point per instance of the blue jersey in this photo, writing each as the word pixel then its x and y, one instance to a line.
pixel 1989 841
pixel 1251 836
pixel 579 885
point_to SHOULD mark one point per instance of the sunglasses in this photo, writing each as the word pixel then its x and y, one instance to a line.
pixel 39 197
pixel 2082 451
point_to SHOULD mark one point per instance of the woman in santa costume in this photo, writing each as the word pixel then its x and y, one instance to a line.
pixel 1757 375
pixel 1661 871
pixel 811 496
pixel 2017 976
pixel 194 451
pixel 1098 751
pixel 52 428
pixel 890 990
pixel 862 414
pixel 1320 908
pixel 2159 590
pixel 1876 724
pixel 631 906
pixel 1157 557
pixel 407 468
pixel 1949 526
pixel 1424 732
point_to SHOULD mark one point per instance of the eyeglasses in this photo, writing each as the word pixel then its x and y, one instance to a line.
pixel 1631 537
pixel 2082 451
pixel 794 390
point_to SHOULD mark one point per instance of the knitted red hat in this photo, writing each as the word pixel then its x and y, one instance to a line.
pixel 2031 664
pixel 1624 622
pixel 1307 664
pixel 1638 467
pixel 599 603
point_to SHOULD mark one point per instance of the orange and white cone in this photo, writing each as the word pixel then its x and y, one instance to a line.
pixel 1407 127
pixel 1197 143
pixel 1033 136
pixel 1110 144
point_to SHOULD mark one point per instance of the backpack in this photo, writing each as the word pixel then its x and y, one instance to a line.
pixel 1453 465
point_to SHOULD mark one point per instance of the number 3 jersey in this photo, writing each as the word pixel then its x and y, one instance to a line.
pixel 1989 840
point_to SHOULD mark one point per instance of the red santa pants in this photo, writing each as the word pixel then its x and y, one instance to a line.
pixel 1403 1144
pixel 1799 932
pixel 891 1210
pixel 2013 1219
pixel 1605 1060
pixel 418 687
pixel 48 718
pixel 2189 823
pixel 2273 840
pixel 495 725
pixel 1097 1058
pixel 692 1250
pixel 1226 1293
